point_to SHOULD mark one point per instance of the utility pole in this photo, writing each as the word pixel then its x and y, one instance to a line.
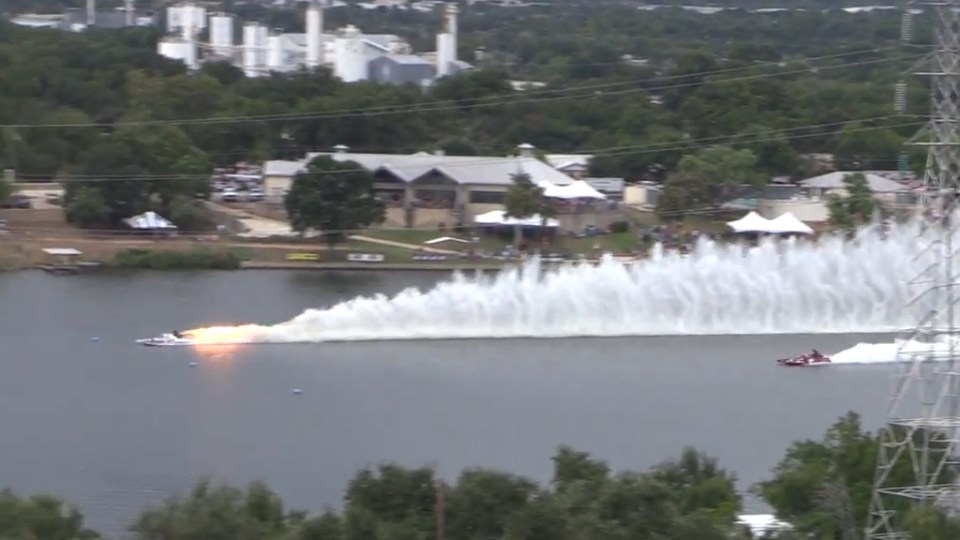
pixel 923 421
pixel 440 509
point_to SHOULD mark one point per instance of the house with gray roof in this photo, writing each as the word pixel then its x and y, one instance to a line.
pixel 834 182
pixel 424 189
pixel 808 198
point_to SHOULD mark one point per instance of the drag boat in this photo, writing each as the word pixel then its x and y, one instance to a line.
pixel 805 360
pixel 166 340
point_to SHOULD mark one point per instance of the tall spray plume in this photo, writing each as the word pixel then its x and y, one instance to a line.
pixel 834 285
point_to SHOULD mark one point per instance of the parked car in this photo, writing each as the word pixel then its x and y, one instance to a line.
pixel 230 195
pixel 255 194
pixel 17 201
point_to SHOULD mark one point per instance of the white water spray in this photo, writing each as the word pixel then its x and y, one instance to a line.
pixel 832 286
pixel 938 348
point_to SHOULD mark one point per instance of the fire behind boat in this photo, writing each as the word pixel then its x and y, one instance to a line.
pixel 168 340
pixel 805 360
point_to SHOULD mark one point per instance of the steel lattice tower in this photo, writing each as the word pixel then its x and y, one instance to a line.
pixel 926 398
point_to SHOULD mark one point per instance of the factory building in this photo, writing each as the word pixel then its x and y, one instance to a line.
pixel 402 69
pixel 77 19
pixel 352 55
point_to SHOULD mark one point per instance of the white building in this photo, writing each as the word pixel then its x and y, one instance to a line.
pixel 77 19
pixel 346 51
pixel 425 190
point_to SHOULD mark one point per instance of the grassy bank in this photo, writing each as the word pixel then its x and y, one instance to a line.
pixel 191 259
pixel 25 254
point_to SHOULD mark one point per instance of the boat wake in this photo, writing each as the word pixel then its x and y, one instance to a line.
pixel 834 285
pixel 898 351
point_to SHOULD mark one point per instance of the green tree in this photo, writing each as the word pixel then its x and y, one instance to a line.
pixel 213 512
pixel 87 208
pixel 824 487
pixel 774 154
pixel 6 190
pixel 484 502
pixel 334 198
pixel 708 178
pixel 137 168
pixel 189 214
pixel 856 207
pixel 40 518
pixel 857 149
pixel 522 200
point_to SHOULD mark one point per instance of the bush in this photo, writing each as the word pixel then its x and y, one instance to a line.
pixel 177 260
pixel 618 227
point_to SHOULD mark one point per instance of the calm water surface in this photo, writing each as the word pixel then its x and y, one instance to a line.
pixel 112 426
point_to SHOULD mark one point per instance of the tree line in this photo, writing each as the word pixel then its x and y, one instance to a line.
pixel 771 85
pixel 820 486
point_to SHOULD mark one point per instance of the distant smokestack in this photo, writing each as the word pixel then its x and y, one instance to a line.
pixel 450 19
pixel 447 42
pixel 128 8
pixel 314 34
pixel 91 12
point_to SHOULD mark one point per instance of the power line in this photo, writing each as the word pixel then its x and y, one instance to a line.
pixel 600 90
pixel 616 151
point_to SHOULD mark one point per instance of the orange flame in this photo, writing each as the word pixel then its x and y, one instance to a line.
pixel 223 335
pixel 216 342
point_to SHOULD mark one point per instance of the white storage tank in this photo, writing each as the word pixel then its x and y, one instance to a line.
pixel 221 34
pixel 187 19
pixel 275 52
pixel 263 35
pixel 251 49
pixel 174 18
pixel 198 17
pixel 350 62
pixel 178 49
pixel 446 54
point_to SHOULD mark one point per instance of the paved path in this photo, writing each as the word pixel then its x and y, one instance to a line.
pixel 385 242
pixel 261 227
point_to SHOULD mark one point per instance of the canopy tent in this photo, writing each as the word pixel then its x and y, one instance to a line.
pixel 149 221
pixel 580 190
pixel 789 224
pixel 577 190
pixel 499 217
pixel 750 223
pixel 550 190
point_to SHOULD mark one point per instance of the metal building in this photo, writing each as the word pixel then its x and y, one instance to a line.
pixel 402 69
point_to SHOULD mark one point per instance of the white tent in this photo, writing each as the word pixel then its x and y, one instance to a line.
pixel 789 224
pixel 499 217
pixel 551 190
pixel 579 190
pixel 752 222
pixel 149 221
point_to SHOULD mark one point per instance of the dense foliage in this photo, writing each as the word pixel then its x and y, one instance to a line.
pixel 523 200
pixel 130 130
pixel 333 197
pixel 822 487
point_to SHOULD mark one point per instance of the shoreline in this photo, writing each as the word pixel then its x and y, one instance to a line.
pixel 28 254
pixel 493 266
pixel 385 266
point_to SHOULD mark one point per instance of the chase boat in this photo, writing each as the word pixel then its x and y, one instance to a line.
pixel 805 360
pixel 166 340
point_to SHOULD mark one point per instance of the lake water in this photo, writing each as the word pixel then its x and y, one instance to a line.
pixel 112 426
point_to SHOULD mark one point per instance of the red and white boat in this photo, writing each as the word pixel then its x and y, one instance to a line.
pixel 805 360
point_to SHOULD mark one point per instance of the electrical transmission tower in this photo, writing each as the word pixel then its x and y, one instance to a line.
pixel 921 440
